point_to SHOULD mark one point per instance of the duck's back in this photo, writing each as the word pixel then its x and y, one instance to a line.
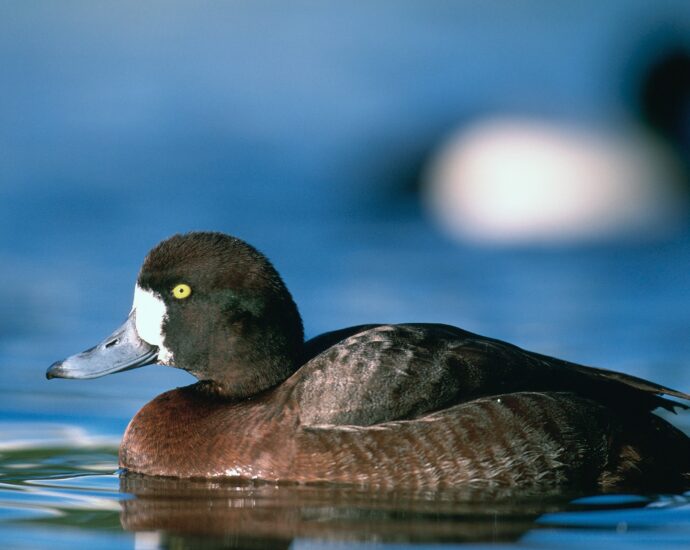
pixel 377 373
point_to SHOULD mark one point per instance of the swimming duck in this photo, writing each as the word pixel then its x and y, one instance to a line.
pixel 394 406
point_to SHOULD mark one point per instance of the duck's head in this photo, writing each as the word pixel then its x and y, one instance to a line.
pixel 207 303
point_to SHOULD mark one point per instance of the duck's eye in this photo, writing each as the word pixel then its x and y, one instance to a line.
pixel 181 291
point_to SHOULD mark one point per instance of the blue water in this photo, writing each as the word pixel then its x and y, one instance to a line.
pixel 301 130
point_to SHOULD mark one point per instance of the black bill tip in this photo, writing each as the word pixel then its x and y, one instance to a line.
pixel 54 370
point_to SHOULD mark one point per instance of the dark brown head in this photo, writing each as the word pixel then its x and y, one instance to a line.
pixel 213 305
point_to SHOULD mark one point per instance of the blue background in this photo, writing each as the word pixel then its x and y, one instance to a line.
pixel 303 128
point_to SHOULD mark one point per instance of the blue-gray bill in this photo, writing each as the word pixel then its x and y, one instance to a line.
pixel 122 350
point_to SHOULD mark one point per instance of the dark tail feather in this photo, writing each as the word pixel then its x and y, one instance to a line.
pixel 651 454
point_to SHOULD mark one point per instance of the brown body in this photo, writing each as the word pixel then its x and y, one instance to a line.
pixel 183 433
pixel 523 440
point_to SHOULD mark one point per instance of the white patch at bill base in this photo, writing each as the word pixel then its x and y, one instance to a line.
pixel 150 312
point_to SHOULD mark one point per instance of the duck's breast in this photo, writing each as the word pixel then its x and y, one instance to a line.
pixel 187 433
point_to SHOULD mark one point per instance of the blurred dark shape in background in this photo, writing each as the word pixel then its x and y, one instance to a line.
pixel 658 88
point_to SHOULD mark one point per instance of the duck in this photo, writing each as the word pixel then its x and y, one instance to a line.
pixel 417 406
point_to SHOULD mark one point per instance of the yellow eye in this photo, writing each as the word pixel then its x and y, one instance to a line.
pixel 181 291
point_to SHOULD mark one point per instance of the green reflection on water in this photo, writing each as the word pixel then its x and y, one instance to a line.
pixel 19 465
pixel 61 486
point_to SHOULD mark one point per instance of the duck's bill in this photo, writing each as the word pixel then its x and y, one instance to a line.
pixel 122 350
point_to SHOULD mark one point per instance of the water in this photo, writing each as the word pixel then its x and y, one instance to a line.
pixel 66 496
pixel 300 131
pixel 59 485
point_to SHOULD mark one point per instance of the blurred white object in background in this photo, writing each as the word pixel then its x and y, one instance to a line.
pixel 512 180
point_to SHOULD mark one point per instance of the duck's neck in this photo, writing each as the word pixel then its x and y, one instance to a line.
pixel 252 369
pixel 257 354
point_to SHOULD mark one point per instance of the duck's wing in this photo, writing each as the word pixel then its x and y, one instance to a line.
pixel 377 373
pixel 373 374
pixel 498 366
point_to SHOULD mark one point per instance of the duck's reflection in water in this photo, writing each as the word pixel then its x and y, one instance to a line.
pixel 250 515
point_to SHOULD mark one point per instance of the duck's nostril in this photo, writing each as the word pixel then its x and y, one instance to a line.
pixel 112 343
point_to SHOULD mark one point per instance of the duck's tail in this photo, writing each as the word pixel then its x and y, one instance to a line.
pixel 648 454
